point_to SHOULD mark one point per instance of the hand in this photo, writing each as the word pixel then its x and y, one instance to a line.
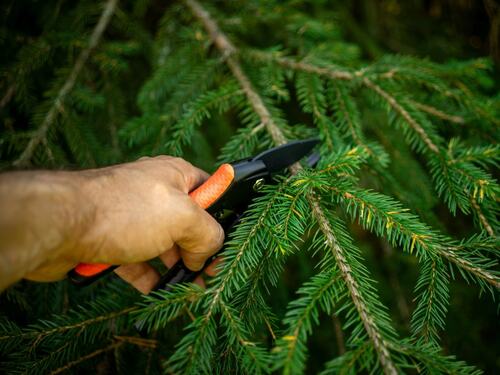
pixel 138 211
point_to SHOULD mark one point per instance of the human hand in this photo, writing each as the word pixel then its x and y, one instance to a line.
pixel 139 211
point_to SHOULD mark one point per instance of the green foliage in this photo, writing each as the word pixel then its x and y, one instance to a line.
pixel 409 159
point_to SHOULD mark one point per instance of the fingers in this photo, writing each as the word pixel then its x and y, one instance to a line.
pixel 142 276
pixel 212 268
pixel 200 237
pixel 170 257
pixel 191 177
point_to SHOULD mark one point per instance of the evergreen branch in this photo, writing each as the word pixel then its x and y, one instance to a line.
pixel 40 135
pixel 433 299
pixel 227 50
pixel 241 253
pixel 221 99
pixel 80 325
pixel 346 363
pixel 435 363
pixel 442 174
pixel 306 67
pixel 8 96
pixel 379 342
pixel 310 92
pixel 242 144
pixel 386 217
pixel 403 112
pixel 194 352
pixel 348 118
pixel 84 358
pixel 161 307
pixel 481 155
pixel 481 216
pixel 438 113
pixel 237 333
pixel 453 256
pixel 231 264
pixel 321 290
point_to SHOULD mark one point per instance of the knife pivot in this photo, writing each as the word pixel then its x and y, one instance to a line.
pixel 257 185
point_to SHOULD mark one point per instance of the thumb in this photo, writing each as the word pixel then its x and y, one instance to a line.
pixel 201 238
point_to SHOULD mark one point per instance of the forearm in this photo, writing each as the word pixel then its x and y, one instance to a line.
pixel 40 214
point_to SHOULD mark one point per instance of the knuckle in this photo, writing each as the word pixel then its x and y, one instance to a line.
pixel 217 238
pixel 164 157
pixel 190 215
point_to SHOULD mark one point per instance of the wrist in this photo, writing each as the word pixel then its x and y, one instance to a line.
pixel 63 195
pixel 43 214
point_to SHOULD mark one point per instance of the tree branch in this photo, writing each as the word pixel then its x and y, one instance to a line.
pixel 66 367
pixel 482 218
pixel 352 285
pixel 438 113
pixel 403 112
pixel 81 324
pixel 227 50
pixel 305 67
pixel 57 107
pixel 8 96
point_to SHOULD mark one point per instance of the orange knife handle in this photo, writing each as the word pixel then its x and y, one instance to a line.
pixel 204 196
pixel 86 273
pixel 214 187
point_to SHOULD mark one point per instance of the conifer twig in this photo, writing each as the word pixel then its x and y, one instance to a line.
pixel 41 134
pixel 81 324
pixel 352 285
pixel 482 218
pixel 8 96
pixel 228 51
pixel 438 113
pixel 308 68
pixel 139 341
pixel 450 254
pixel 403 112
pixel 108 348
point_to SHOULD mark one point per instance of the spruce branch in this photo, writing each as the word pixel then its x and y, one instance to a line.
pixel 237 333
pixel 481 216
pixel 403 112
pixel 477 270
pixel 386 217
pixel 243 252
pixel 303 66
pixel 113 346
pixel 433 298
pixel 8 96
pixel 195 74
pixel 438 113
pixel 40 334
pixel 227 50
pixel 323 290
pixel 161 307
pixel 379 342
pixel 57 107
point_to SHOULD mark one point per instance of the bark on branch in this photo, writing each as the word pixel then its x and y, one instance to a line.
pixel 40 135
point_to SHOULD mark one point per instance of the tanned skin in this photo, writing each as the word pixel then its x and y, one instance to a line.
pixel 125 214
